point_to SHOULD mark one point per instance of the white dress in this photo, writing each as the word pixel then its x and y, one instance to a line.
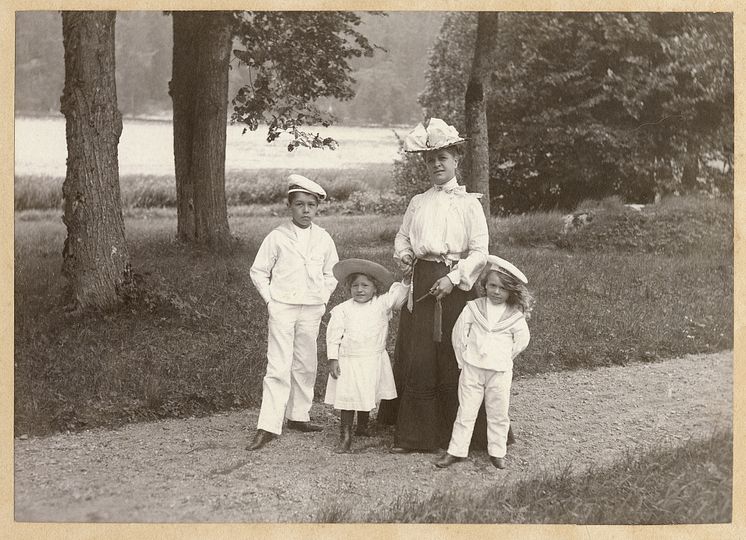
pixel 356 336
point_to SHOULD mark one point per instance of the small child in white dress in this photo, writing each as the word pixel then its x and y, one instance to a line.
pixel 490 332
pixel 360 372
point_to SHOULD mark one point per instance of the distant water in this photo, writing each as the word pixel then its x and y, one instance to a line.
pixel 146 147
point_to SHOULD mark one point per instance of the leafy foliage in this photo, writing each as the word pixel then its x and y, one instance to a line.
pixel 448 69
pixel 410 173
pixel 589 105
pixel 293 59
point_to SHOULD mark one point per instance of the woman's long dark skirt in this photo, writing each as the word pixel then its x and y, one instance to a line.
pixel 426 372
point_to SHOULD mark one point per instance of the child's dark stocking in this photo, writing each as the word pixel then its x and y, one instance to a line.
pixel 345 431
pixel 362 424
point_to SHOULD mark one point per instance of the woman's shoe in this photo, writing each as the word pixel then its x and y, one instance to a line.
pixel 447 460
pixel 400 450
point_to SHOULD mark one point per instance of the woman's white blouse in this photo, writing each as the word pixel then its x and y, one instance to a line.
pixel 447 224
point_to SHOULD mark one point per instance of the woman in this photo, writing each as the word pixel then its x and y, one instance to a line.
pixel 443 241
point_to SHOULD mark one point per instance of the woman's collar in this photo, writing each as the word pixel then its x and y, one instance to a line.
pixel 452 183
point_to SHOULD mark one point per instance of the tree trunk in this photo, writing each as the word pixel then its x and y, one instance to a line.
pixel 199 91
pixel 95 260
pixel 690 173
pixel 475 109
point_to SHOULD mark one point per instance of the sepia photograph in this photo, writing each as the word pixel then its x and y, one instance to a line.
pixel 468 267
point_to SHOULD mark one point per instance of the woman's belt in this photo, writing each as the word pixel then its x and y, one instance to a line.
pixel 437 259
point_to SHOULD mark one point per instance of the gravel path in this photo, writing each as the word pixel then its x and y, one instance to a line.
pixel 197 469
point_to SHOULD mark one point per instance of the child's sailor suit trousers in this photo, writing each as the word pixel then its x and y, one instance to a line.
pixel 291 364
pixel 474 385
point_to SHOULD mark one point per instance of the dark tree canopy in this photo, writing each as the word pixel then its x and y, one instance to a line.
pixel 587 105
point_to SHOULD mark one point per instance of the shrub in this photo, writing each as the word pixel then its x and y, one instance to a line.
pixel 410 173
pixel 363 202
pixel 678 225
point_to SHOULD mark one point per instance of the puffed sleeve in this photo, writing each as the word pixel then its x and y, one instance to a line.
pixel 460 334
pixel 261 270
pixel 467 271
pixel 335 332
pixel 521 337
pixel 396 296
pixel 332 258
pixel 402 241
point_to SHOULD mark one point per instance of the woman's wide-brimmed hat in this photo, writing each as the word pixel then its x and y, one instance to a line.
pixel 496 263
pixel 436 136
pixel 345 268
pixel 297 182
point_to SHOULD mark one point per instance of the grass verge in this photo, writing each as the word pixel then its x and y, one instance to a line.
pixel 258 186
pixel 691 483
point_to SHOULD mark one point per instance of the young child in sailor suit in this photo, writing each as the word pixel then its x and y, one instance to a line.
pixel 293 273
pixel 360 373
pixel 490 332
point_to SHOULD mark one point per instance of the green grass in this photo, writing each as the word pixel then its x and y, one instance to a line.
pixel 192 340
pixel 259 186
pixel 691 483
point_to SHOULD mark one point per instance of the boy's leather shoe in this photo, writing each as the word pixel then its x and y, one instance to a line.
pixel 306 427
pixel 447 460
pixel 261 438
pixel 498 462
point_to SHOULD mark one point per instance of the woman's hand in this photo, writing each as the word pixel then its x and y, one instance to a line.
pixel 405 264
pixel 442 287
pixel 334 370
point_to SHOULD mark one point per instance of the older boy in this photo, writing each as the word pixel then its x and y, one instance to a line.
pixel 293 273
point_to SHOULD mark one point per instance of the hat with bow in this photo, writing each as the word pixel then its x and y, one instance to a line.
pixel 436 136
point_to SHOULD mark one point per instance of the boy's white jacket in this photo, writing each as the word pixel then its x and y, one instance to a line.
pixel 286 270
pixel 487 345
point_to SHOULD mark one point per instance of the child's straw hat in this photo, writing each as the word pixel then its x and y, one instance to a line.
pixel 347 267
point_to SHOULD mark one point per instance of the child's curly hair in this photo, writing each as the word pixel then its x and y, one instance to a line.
pixel 518 295
pixel 352 277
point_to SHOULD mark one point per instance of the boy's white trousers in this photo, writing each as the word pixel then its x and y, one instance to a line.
pixel 287 389
pixel 475 384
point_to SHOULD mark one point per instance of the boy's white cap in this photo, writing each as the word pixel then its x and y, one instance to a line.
pixel 495 262
pixel 296 182
pixel 435 136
